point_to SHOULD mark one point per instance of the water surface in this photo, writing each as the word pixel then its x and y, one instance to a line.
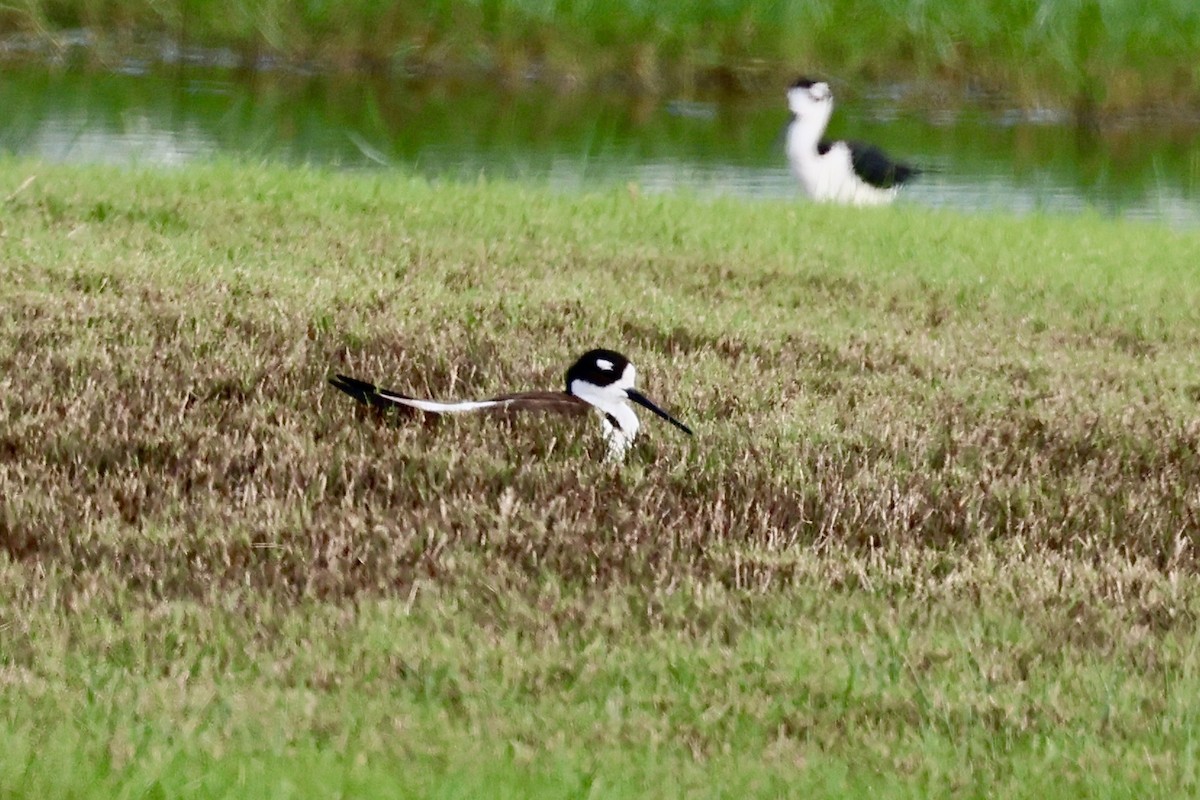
pixel 983 157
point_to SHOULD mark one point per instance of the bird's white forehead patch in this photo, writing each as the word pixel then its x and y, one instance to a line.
pixel 604 364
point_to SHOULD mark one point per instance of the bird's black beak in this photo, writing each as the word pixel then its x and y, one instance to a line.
pixel 642 400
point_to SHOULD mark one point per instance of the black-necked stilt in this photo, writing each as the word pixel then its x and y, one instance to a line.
pixel 836 171
pixel 601 380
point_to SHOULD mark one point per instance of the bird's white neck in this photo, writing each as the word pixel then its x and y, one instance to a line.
pixel 806 130
pixel 612 403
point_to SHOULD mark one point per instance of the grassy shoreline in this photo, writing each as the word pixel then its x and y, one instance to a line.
pixel 1094 56
pixel 932 537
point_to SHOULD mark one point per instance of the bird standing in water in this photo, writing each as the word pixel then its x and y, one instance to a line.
pixel 839 171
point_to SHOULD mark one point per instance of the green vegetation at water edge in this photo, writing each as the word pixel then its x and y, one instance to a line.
pixel 1125 54
pixel 933 536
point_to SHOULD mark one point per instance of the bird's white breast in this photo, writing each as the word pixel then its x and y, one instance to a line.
pixel 830 177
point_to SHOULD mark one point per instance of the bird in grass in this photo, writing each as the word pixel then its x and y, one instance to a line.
pixel 600 380
pixel 838 171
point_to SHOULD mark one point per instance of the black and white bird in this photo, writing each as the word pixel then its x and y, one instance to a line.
pixel 838 171
pixel 600 380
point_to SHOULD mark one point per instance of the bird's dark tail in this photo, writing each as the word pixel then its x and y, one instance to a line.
pixel 367 393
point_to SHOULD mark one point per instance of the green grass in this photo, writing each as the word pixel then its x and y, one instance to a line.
pixel 1124 54
pixel 933 536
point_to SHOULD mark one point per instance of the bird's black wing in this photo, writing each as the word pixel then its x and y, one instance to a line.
pixel 873 166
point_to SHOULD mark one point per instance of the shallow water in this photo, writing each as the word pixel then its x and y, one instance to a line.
pixel 983 158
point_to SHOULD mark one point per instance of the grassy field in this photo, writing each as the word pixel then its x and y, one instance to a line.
pixel 1095 54
pixel 934 536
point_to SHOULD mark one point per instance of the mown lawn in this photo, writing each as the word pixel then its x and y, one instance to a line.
pixel 934 536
